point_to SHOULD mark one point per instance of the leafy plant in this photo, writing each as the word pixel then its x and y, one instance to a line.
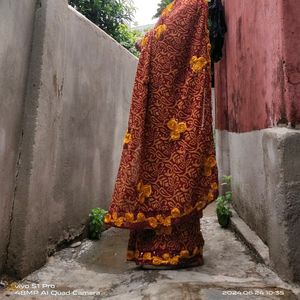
pixel 96 223
pixel 128 37
pixel 161 6
pixel 112 16
pixel 223 203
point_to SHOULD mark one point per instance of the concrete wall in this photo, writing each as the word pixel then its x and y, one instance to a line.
pixel 241 155
pixel 76 112
pixel 281 149
pixel 257 86
pixel 16 25
pixel 265 167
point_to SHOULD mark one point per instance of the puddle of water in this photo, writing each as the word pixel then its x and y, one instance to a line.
pixel 108 255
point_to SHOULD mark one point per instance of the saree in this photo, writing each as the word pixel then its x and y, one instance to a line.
pixel 168 171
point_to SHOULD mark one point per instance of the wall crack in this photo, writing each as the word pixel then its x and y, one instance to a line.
pixel 11 214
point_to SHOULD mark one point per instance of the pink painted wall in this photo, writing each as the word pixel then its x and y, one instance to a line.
pixel 258 79
pixel 291 48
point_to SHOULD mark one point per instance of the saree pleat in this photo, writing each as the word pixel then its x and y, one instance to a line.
pixel 168 172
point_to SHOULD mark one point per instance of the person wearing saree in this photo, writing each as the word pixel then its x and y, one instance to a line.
pixel 168 172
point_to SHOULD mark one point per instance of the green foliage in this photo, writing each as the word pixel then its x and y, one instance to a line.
pixel 223 203
pixel 112 16
pixel 96 223
pixel 161 6
pixel 128 37
pixel 227 180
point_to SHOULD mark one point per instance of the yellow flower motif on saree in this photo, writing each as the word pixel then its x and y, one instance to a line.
pixel 198 63
pixel 209 163
pixel 115 216
pixel 176 129
pixel 153 222
pixel 129 217
pixel 119 221
pixel 174 260
pixel 167 221
pixel 157 261
pixel 168 9
pixel 145 191
pixel 210 196
pixel 214 186
pixel 175 213
pixel 127 138
pixel 162 224
pixel 166 258
pixel 184 253
pixel 159 30
pixel 159 218
pixel 147 256
pixel 144 41
pixel 107 218
pixel 199 205
pixel 140 217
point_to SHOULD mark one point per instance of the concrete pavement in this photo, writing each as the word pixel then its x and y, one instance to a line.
pixel 98 270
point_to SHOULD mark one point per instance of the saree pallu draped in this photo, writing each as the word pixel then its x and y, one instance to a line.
pixel 168 171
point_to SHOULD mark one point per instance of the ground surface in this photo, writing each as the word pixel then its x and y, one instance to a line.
pixel 230 272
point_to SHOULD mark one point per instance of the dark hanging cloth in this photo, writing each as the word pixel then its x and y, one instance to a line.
pixel 217 28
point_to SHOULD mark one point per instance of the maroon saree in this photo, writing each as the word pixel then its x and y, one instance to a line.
pixel 168 172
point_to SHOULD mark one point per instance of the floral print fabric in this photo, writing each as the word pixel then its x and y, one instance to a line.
pixel 168 172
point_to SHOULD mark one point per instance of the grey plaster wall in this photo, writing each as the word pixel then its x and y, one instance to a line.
pixel 77 103
pixel 282 166
pixel 241 155
pixel 16 25
pixel 265 167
